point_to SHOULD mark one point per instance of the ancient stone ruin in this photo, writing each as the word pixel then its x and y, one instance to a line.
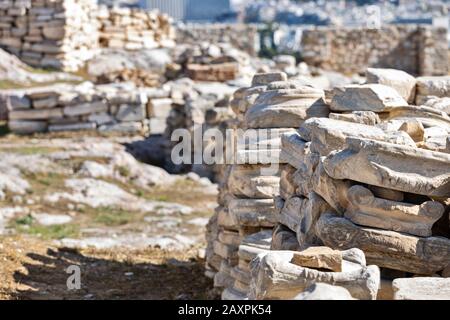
pixel 360 201
pixel 63 34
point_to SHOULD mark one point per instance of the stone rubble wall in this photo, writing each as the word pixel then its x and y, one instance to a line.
pixel 107 108
pixel 64 34
pixel 418 50
pixel 241 36
pixel 362 197
pixel 59 34
pixel 134 29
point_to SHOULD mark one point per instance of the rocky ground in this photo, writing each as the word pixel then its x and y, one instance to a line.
pixel 136 231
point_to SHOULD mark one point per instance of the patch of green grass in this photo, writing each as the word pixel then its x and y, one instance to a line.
pixel 27 225
pixel 30 150
pixel 25 221
pixel 124 171
pixel 113 217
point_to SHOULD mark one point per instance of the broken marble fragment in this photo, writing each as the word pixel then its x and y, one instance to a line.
pixel 402 82
pixel 366 97
pixel 421 288
pixel 392 166
pixel 319 258
pixel 387 249
pixel 275 277
pixel 367 210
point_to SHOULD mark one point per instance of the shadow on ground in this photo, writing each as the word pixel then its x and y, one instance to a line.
pixel 105 277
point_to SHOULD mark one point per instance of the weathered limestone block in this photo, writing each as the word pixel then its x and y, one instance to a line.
pixel 441 104
pixel 421 288
pixel 429 117
pixel 387 249
pixel 284 108
pixel 130 112
pixel 245 97
pixel 284 239
pixel 287 185
pixel 364 117
pixel 275 277
pixel 27 127
pixel 294 149
pixel 17 102
pixel 392 166
pixel 229 237
pixel 367 97
pixel 323 291
pixel 247 181
pixel 432 86
pixel 261 79
pixel 226 251
pixel 303 177
pixel 290 214
pixel 35 114
pixel 253 212
pixel 333 191
pixel 72 127
pixel 159 108
pixel 402 82
pixel 255 244
pixel 319 258
pixel 367 210
pixel 85 108
pixel 241 275
pixel 327 135
pixel 225 219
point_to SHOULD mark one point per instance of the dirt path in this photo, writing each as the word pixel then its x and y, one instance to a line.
pixel 32 269
pixel 134 231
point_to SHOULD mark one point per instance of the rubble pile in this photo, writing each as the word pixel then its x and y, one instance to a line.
pixel 134 29
pixel 110 107
pixel 56 34
pixel 363 200
pixel 272 106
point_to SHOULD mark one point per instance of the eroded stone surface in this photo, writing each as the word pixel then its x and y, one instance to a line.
pixel 387 249
pixel 275 277
pixel 422 288
pixel 319 258
pixel 392 166
pixel 367 210
pixel 368 97
pixel 401 81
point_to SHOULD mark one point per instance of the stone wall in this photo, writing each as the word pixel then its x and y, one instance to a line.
pixel 419 50
pixel 134 29
pixel 107 108
pixel 362 188
pixel 243 37
pixel 57 34
pixel 63 34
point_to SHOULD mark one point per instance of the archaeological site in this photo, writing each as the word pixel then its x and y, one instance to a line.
pixel 162 153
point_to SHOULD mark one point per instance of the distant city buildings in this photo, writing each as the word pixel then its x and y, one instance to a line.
pixel 193 10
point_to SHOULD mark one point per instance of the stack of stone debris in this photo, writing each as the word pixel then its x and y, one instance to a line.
pixel 196 108
pixel 375 176
pixel 268 109
pixel 112 107
pixel 50 33
pixel 134 29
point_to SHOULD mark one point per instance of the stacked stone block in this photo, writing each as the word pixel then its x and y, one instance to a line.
pixel 366 177
pixel 134 29
pixel 59 34
pixel 112 107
